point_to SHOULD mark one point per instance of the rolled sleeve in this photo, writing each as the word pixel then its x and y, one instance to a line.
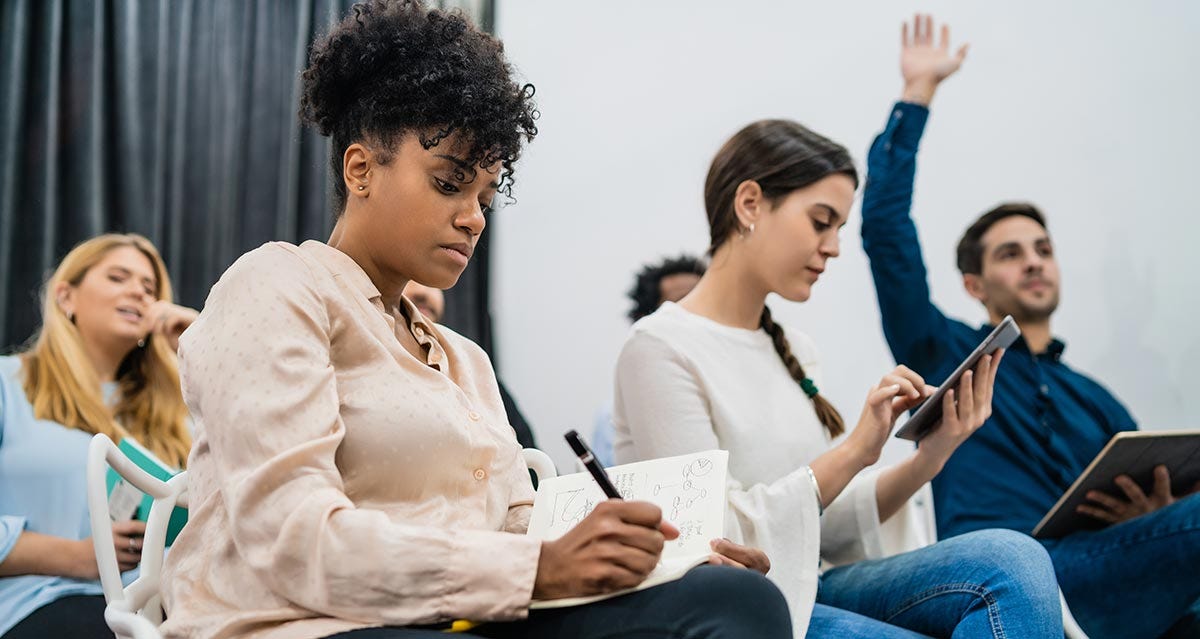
pixel 11 527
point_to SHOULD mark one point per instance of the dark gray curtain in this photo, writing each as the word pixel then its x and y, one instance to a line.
pixel 175 119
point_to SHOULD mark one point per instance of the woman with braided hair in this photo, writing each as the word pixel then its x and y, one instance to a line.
pixel 716 371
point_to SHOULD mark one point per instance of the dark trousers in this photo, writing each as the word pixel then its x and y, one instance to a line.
pixel 79 616
pixel 710 602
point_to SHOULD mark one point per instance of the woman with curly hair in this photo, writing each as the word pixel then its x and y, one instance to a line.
pixel 103 361
pixel 354 474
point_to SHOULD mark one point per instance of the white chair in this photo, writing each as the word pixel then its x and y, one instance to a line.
pixel 133 611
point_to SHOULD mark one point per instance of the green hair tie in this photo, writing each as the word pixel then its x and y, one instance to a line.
pixel 809 387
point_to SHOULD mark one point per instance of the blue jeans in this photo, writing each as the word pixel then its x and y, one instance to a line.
pixel 1137 578
pixel 709 602
pixel 989 583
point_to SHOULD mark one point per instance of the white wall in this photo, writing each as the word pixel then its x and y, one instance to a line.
pixel 1088 109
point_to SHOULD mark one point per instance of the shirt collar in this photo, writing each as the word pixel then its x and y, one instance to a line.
pixel 1054 350
pixel 342 266
pixel 415 316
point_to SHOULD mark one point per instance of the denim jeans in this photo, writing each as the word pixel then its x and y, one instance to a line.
pixel 989 583
pixel 1137 578
pixel 709 602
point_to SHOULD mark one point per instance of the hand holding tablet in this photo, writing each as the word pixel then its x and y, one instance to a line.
pixel 927 417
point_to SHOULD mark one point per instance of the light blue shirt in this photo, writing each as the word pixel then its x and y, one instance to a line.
pixel 43 489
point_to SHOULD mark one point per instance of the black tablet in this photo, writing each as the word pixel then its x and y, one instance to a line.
pixel 929 413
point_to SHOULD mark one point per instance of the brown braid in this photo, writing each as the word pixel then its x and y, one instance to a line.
pixel 825 411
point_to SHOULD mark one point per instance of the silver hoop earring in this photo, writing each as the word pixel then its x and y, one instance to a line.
pixel 142 343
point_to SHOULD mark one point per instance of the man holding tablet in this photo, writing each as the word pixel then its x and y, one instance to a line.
pixel 1137 576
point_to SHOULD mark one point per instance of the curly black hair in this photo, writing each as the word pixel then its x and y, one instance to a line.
pixel 646 292
pixel 393 67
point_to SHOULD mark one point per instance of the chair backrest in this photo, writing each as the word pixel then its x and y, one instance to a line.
pixel 133 611
pixel 540 463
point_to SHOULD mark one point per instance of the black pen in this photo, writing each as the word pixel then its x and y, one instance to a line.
pixel 591 464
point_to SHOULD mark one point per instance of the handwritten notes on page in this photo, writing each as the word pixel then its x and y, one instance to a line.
pixel 690 490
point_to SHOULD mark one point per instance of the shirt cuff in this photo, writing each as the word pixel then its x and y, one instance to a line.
pixel 11 527
pixel 907 123
pixel 503 593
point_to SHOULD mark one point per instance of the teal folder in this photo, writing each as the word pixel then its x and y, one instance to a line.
pixel 155 468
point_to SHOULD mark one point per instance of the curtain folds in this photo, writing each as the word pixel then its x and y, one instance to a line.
pixel 175 119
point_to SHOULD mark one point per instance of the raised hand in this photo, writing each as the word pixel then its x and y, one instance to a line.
pixel 613 548
pixel 924 63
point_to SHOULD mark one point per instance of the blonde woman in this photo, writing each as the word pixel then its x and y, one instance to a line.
pixel 102 362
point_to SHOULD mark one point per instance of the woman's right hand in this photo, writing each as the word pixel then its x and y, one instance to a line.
pixel 898 391
pixel 127 541
pixel 613 548
pixel 128 537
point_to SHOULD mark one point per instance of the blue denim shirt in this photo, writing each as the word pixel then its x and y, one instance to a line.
pixel 1048 420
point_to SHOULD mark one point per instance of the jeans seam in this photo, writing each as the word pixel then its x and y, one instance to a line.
pixel 950 589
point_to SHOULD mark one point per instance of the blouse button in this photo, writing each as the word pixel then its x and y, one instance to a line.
pixel 480 474
pixel 474 416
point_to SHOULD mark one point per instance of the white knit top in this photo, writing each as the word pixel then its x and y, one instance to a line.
pixel 685 383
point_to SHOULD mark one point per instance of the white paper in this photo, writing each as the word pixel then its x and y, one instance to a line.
pixel 690 490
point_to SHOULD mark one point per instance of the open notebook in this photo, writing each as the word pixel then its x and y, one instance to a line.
pixel 690 489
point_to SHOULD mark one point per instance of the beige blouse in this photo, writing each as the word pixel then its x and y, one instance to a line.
pixel 336 481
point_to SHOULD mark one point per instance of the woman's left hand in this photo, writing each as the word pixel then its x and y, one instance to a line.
pixel 961 418
pixel 727 553
pixel 169 320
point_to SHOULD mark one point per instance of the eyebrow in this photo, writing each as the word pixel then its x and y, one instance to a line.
pixel 1005 246
pixel 465 166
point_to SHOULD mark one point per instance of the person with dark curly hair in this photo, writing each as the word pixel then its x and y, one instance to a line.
pixel 666 281
pixel 354 473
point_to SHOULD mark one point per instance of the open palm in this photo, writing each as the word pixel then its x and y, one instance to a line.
pixel 923 60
